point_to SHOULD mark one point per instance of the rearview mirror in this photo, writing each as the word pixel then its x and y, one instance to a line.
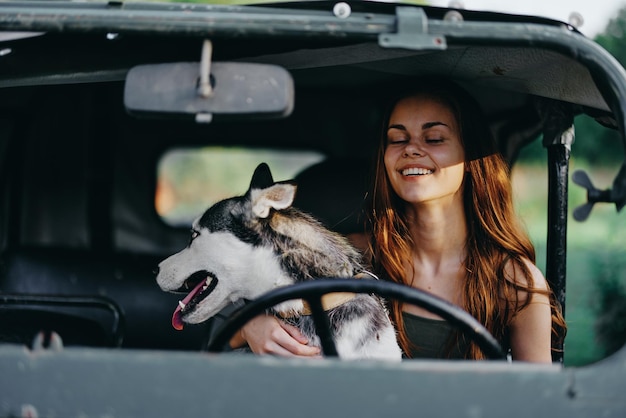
pixel 238 91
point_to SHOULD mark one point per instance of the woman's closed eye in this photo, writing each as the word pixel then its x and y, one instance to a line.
pixel 396 141
pixel 437 140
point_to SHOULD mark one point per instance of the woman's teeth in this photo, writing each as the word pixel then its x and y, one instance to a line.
pixel 416 171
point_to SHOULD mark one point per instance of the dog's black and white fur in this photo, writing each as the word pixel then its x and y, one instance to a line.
pixel 245 246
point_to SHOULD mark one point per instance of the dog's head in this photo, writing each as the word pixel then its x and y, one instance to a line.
pixel 226 258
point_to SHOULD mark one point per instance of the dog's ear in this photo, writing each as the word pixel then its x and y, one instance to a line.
pixel 262 177
pixel 278 196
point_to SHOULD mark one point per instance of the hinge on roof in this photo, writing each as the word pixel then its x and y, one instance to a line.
pixel 412 32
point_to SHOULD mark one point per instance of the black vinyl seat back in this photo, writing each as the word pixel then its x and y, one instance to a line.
pixel 335 192
pixel 78 321
pixel 105 300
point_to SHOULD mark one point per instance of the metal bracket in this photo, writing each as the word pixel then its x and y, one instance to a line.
pixel 412 32
pixel 558 122
pixel 204 88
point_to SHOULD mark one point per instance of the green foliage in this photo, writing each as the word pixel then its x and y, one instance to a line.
pixel 596 144
pixel 614 35
pixel 610 303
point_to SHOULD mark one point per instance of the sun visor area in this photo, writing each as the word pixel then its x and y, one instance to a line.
pixel 524 70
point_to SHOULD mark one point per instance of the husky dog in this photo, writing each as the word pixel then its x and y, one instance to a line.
pixel 245 246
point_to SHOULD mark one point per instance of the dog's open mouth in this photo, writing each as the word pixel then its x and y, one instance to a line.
pixel 201 283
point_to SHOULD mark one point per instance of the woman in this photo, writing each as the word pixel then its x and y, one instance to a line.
pixel 443 222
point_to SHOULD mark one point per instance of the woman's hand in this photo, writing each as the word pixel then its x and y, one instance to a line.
pixel 267 335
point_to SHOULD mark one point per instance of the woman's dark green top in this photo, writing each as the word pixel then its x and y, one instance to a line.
pixel 431 338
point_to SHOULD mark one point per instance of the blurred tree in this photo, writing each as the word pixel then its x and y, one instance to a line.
pixel 607 145
pixel 614 35
pixel 609 303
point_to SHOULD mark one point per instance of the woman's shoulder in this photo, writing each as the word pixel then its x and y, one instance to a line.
pixel 528 281
pixel 525 274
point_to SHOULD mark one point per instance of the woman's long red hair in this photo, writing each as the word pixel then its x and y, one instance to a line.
pixel 495 236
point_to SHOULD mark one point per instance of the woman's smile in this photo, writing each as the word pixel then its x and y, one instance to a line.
pixel 415 171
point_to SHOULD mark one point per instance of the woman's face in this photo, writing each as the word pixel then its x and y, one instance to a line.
pixel 424 157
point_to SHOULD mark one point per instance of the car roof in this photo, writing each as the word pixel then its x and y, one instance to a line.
pixel 341 52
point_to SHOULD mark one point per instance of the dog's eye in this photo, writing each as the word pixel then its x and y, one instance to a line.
pixel 194 234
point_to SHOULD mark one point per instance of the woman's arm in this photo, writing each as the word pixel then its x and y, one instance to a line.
pixel 531 328
pixel 267 335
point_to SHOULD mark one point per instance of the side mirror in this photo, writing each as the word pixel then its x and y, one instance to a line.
pixel 238 91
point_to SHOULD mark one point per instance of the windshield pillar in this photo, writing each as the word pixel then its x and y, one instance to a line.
pixel 558 136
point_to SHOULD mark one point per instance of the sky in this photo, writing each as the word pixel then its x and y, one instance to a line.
pixel 596 13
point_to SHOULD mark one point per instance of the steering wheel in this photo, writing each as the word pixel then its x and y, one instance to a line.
pixel 312 292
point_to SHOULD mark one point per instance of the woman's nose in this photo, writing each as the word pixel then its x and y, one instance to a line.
pixel 412 148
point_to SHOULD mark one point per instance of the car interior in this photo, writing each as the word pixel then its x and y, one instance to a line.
pixel 89 201
pixel 80 168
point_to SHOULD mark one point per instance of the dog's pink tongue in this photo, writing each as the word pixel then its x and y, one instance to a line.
pixel 177 321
